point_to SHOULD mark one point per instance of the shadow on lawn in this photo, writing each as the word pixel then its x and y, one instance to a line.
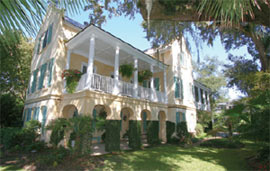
pixel 170 157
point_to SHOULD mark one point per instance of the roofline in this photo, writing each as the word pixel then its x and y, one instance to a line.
pixel 202 85
pixel 140 51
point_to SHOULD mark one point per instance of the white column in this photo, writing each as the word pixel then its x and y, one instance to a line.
pixel 68 59
pixel 90 65
pixel 152 82
pixel 135 77
pixel 116 71
pixel 165 85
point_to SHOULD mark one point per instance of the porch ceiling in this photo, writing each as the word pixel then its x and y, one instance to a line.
pixel 105 53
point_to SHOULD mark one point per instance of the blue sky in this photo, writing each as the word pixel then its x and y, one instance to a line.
pixel 131 31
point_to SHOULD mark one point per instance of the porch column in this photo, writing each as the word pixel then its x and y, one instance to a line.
pixel 68 58
pixel 165 85
pixel 152 83
pixel 90 65
pixel 135 77
pixel 116 71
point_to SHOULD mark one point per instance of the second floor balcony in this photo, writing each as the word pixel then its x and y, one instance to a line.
pixel 99 55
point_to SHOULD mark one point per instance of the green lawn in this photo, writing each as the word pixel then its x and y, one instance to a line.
pixel 164 157
pixel 170 157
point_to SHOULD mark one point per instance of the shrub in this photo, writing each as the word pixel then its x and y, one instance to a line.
pixel 222 143
pixel 182 133
pixel 134 134
pixel 58 127
pixel 112 140
pixel 53 157
pixel 199 129
pixel 152 132
pixel 21 138
pixel 170 129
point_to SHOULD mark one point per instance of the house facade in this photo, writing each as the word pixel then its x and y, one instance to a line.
pixel 170 94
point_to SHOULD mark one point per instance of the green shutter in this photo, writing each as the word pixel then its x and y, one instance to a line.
pixel 37 113
pixel 182 89
pixel 177 88
pixel 50 34
pixel 28 117
pixel 156 83
pixel 38 46
pixel 50 72
pixel 34 82
pixel 42 75
pixel 177 117
pixel 145 83
pixel 184 116
pixel 44 118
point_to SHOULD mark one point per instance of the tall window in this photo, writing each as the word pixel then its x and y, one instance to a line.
pixel 178 90
pixel 44 39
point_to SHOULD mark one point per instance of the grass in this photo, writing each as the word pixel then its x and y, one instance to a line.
pixel 164 157
pixel 170 157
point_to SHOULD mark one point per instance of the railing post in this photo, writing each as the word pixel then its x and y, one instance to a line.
pixel 90 65
pixel 116 71
pixel 135 85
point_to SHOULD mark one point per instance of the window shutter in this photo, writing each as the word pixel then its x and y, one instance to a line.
pixel 28 114
pixel 37 113
pixel 94 119
pixel 44 118
pixel 38 46
pixel 182 89
pixel 184 117
pixel 42 75
pixel 33 88
pixel 177 117
pixel 193 91
pixel 44 39
pixel 177 88
pixel 50 34
pixel 145 83
pixel 50 72
pixel 156 83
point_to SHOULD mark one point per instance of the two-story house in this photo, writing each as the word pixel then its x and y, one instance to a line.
pixel 170 94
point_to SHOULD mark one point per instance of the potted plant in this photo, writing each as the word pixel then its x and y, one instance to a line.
pixel 72 77
pixel 126 70
pixel 144 75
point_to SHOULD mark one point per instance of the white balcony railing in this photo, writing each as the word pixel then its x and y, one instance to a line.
pixel 106 84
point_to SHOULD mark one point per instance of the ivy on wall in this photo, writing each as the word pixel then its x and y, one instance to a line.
pixel 134 134
pixel 112 137
pixel 152 132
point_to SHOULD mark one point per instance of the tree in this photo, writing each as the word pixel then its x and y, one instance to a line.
pixel 15 65
pixel 229 11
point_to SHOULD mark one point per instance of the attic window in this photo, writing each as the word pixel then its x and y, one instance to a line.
pixel 45 39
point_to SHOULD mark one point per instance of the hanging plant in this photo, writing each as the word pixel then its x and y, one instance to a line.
pixel 72 76
pixel 144 75
pixel 126 70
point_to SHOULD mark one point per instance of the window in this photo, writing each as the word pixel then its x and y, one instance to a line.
pixel 197 94
pixel 202 97
pixel 156 83
pixel 42 75
pixel 84 68
pixel 44 39
pixel 50 70
pixel 44 118
pixel 178 90
pixel 34 82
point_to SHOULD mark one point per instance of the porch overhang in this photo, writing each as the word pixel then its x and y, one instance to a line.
pixel 84 37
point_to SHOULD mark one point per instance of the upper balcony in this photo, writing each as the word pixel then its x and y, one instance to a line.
pixel 98 54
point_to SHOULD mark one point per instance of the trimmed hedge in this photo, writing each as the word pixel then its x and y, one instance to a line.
pixel 112 139
pixel 170 128
pixel 134 134
pixel 152 132
pixel 222 143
